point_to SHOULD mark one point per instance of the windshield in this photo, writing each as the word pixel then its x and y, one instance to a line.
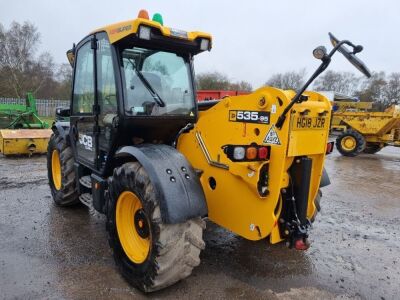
pixel 157 83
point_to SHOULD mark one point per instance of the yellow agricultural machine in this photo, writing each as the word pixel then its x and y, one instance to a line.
pixel 139 149
pixel 21 129
pixel 364 130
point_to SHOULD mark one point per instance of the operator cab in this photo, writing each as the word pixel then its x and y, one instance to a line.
pixel 133 83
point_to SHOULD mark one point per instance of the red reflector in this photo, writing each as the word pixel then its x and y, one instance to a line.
pixel 262 153
pixel 301 244
pixel 329 147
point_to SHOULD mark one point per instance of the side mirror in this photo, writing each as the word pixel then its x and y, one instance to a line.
pixel 71 55
pixel 351 56
pixel 62 113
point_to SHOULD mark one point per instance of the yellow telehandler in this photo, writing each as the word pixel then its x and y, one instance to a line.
pixel 139 149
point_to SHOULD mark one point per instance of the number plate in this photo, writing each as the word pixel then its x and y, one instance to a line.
pixel 310 123
pixel 249 116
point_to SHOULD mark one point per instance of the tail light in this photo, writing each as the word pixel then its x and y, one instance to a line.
pixel 238 153
pixel 247 152
pixel 251 153
pixel 329 147
pixel 263 152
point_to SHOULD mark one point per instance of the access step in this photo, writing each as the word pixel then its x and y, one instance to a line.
pixel 86 181
pixel 86 199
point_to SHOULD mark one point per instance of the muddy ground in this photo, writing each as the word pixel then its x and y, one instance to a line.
pixel 50 252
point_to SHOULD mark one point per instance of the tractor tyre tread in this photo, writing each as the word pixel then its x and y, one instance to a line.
pixel 175 248
pixel 372 148
pixel 67 195
pixel 360 143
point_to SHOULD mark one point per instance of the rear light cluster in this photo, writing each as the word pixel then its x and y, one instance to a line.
pixel 329 147
pixel 247 152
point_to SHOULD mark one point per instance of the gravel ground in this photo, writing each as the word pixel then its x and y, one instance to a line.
pixel 54 253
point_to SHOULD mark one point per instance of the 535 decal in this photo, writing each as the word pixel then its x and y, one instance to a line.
pixel 249 116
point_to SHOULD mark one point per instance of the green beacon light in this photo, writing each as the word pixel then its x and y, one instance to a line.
pixel 158 18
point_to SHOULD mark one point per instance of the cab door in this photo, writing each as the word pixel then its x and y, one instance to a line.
pixel 83 108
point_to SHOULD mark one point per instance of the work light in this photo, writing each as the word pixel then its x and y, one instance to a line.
pixel 144 32
pixel 204 44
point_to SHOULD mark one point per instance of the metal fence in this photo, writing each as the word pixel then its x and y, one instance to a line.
pixel 45 108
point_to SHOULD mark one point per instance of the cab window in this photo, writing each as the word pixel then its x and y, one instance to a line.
pixel 83 97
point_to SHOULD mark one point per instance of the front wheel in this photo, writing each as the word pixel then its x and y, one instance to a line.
pixel 150 254
pixel 61 172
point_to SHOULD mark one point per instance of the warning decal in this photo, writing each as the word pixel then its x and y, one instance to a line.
pixel 272 137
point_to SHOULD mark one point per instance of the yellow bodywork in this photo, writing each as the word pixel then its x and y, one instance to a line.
pixel 235 202
pixel 376 127
pixel 121 30
pixel 24 141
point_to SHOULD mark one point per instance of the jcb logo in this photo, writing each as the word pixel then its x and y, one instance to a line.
pixel 86 141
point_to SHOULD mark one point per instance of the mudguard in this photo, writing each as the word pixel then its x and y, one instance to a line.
pixel 62 128
pixel 177 185
pixel 325 179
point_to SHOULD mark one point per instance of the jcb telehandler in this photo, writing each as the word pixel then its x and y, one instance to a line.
pixel 139 149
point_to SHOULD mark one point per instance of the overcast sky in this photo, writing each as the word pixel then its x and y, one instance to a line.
pixel 251 39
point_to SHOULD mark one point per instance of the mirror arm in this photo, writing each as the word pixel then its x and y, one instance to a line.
pixel 297 98
pixel 338 45
pixel 325 63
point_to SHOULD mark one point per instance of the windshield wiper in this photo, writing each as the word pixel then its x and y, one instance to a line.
pixel 153 93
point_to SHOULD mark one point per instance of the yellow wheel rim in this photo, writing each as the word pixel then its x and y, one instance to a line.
pixel 56 169
pixel 130 227
pixel 348 143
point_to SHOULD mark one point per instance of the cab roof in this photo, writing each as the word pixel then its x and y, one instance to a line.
pixel 120 30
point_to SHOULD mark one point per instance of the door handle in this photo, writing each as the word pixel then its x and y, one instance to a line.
pixel 74 131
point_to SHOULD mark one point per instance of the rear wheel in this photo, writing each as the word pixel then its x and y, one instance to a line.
pixel 150 254
pixel 60 172
pixel 350 143
pixel 372 148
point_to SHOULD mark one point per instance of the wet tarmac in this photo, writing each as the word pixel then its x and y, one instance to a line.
pixel 47 252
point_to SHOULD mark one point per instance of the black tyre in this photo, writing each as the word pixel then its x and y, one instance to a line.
pixel 372 148
pixel 150 255
pixel 60 171
pixel 350 143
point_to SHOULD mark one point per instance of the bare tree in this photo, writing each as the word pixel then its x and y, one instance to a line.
pixel 340 82
pixel 287 81
pixel 212 81
pixel 20 69
pixel 373 89
pixel 220 81
pixel 63 77
pixel 392 89
pixel 241 86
